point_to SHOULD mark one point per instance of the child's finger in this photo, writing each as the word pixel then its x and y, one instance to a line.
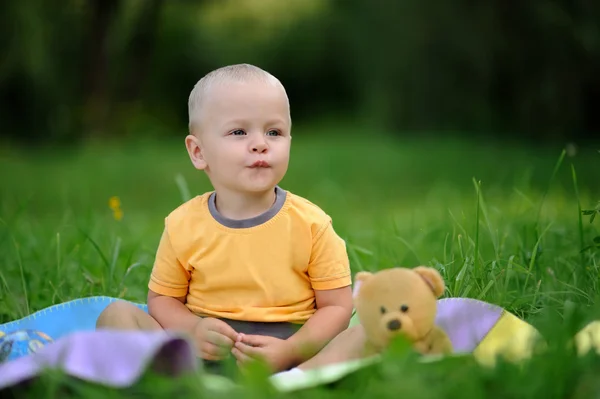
pixel 256 340
pixel 219 339
pixel 248 350
pixel 210 351
pixel 224 329
pixel 240 356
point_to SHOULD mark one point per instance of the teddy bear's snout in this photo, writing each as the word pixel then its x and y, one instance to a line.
pixel 394 324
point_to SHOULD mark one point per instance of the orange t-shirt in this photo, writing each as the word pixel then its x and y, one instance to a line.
pixel 261 269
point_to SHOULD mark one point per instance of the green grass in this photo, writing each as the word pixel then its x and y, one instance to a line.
pixel 503 223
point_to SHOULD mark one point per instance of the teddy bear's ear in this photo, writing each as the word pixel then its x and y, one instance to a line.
pixel 362 276
pixel 359 278
pixel 433 278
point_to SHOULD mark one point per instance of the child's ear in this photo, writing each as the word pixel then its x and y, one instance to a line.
pixel 359 278
pixel 192 143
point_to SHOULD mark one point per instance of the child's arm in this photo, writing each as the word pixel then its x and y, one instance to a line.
pixel 171 312
pixel 168 287
pixel 213 338
pixel 334 310
pixel 329 272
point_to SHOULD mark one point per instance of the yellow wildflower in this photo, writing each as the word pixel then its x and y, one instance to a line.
pixel 114 203
pixel 118 214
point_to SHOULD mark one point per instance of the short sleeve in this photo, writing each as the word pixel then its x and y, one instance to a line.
pixel 329 266
pixel 169 277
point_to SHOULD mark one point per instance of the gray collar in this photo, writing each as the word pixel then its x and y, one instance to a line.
pixel 280 196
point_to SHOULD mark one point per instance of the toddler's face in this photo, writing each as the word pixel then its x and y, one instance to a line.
pixel 245 136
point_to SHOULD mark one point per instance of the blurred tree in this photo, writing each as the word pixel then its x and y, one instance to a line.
pixel 499 66
pixel 91 69
pixel 107 94
pixel 95 83
pixel 141 47
pixel 39 68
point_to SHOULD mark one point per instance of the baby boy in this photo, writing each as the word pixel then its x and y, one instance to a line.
pixel 250 269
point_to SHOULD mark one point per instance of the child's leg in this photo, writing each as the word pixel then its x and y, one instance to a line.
pixel 123 315
pixel 346 346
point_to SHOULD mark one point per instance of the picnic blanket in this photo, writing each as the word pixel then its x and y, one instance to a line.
pixel 63 336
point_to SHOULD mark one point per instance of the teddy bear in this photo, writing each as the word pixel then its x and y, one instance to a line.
pixel 400 301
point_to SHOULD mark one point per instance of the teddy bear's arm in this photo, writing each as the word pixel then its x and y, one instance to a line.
pixel 436 342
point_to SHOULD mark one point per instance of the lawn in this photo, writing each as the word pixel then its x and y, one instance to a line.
pixel 502 223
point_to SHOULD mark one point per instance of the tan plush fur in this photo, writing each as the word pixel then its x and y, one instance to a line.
pixel 401 301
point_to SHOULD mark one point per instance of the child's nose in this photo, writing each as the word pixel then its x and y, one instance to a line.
pixel 259 146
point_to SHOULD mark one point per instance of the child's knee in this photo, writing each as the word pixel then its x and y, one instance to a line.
pixel 119 314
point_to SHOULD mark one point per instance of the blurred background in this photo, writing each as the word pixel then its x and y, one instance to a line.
pixel 97 69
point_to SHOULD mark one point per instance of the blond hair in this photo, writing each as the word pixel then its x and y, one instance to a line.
pixel 229 73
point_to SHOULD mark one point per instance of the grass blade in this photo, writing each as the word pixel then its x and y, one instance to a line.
pixel 113 263
pixel 22 273
pixel 534 255
pixel 58 274
pixel 543 200
pixel 476 254
pixel 579 215
pixel 410 248
pixel 96 246
pixel 184 190
pixel 484 292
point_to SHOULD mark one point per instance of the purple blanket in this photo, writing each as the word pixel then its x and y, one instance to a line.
pixel 113 358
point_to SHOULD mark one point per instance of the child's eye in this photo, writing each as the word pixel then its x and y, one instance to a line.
pixel 238 132
pixel 272 133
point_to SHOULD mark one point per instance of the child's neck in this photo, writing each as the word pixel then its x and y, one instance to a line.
pixel 236 206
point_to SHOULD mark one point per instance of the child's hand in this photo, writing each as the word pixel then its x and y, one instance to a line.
pixel 277 353
pixel 214 338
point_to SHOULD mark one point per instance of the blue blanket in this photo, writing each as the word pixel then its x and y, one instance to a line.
pixel 52 323
pixel 64 318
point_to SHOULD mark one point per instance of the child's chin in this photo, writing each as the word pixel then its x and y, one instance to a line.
pixel 260 186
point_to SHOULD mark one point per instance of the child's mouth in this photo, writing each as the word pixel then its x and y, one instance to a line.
pixel 260 164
